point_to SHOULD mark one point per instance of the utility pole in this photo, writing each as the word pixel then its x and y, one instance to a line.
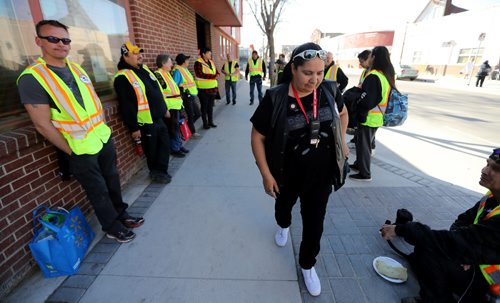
pixel 481 38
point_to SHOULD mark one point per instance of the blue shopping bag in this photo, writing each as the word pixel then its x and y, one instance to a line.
pixel 62 240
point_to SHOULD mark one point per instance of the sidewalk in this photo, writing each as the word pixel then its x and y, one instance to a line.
pixel 209 235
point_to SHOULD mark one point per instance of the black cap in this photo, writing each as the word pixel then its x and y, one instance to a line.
pixel 181 58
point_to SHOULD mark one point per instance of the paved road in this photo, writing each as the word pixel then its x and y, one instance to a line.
pixel 451 128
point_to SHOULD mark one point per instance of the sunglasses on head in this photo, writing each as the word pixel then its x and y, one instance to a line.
pixel 495 156
pixel 311 54
pixel 55 40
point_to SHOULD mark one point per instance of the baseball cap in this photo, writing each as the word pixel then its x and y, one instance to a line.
pixel 129 47
pixel 181 58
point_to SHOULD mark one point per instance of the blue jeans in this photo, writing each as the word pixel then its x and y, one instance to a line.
pixel 255 80
pixel 175 139
pixel 230 85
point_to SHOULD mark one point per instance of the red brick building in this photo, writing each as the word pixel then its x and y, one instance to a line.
pixel 29 173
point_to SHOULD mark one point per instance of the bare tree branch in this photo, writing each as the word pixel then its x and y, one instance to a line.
pixel 270 12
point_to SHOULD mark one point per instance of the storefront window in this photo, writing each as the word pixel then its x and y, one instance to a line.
pixel 97 29
pixel 467 55
pixel 16 43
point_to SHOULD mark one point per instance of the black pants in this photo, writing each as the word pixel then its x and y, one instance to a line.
pixel 364 139
pixel 230 86
pixel 192 110
pixel 99 178
pixel 480 80
pixel 155 142
pixel 312 208
pixel 439 278
pixel 207 106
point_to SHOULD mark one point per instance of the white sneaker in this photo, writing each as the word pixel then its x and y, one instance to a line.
pixel 373 152
pixel 312 282
pixel 281 236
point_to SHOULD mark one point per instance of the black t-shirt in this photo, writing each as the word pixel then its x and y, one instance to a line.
pixel 305 164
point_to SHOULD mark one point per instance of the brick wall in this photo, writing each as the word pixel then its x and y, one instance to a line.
pixel 28 163
pixel 29 177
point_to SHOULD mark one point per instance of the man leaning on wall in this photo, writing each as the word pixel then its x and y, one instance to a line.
pixel 66 110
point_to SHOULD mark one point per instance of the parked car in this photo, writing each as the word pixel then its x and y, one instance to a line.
pixel 405 72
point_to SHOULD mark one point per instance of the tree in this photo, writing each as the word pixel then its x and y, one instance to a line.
pixel 267 13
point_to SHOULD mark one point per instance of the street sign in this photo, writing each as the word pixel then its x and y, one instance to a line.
pixel 482 36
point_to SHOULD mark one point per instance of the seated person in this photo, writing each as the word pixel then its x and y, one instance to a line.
pixel 461 261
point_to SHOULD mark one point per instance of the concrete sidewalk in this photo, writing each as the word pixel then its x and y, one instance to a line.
pixel 209 235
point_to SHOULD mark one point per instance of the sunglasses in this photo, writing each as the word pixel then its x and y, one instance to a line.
pixel 311 54
pixel 55 40
pixel 495 156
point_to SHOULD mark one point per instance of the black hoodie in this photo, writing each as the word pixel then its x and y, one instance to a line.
pixel 128 100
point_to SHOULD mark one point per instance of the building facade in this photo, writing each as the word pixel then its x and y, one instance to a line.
pixel 29 172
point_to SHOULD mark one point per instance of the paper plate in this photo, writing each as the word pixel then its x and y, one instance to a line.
pixel 391 262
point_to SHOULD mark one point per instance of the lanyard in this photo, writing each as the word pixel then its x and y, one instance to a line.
pixel 315 104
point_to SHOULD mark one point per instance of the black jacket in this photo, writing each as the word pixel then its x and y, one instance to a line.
pixel 276 139
pixel 128 101
pixel 465 242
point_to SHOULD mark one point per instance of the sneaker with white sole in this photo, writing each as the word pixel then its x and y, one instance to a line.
pixel 312 282
pixel 281 236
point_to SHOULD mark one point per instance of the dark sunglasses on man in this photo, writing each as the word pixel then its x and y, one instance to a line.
pixel 55 40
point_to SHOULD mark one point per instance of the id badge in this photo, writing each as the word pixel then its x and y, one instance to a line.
pixel 315 125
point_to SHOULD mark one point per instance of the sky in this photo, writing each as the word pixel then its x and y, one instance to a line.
pixel 301 17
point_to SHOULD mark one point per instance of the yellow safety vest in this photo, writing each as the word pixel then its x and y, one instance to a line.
pixel 255 69
pixel 364 73
pixel 187 80
pixel 143 113
pixel 376 115
pixel 171 93
pixel 203 83
pixel 83 128
pixel 490 272
pixel 331 73
pixel 230 70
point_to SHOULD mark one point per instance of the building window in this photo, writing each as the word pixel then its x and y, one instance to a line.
pixel 417 56
pixel 96 35
pixel 468 54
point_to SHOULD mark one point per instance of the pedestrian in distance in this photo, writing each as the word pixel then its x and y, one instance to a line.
pixel 280 66
pixel 484 70
pixel 298 141
pixel 377 85
pixel 185 80
pixel 172 95
pixel 65 109
pixel 334 72
pixel 231 71
pixel 143 110
pixel 462 262
pixel 206 81
pixel 256 69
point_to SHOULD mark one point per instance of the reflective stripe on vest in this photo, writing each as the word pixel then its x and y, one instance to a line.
pixel 375 116
pixel 206 69
pixel 255 69
pixel 332 75
pixel 230 70
pixel 490 272
pixel 171 93
pixel 82 127
pixel 143 113
pixel 187 80
pixel 364 73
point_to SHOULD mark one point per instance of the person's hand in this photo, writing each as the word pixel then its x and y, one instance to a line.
pixel 136 135
pixel 388 232
pixel 167 114
pixel 466 267
pixel 263 78
pixel 246 78
pixel 346 150
pixel 270 186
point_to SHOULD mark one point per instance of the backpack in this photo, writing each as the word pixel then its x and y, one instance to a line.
pixel 396 111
